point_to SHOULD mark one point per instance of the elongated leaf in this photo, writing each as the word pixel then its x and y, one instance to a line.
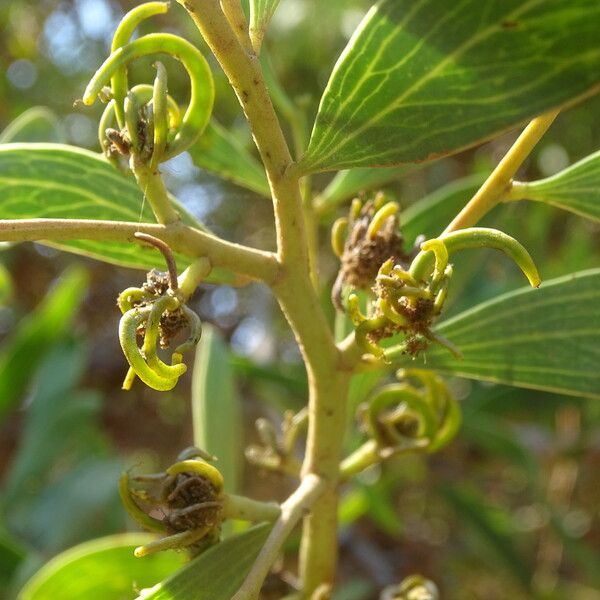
pixel 261 12
pixel 216 407
pixel 350 182
pixel 216 574
pixel 65 182
pixel 220 152
pixel 421 79
pixel 49 322
pixel 37 124
pixel 576 189
pixel 547 339
pixel 103 569
pixel 12 554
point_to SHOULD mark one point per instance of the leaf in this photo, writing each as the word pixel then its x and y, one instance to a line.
pixel 546 339
pixel 103 569
pixel 216 407
pixel 220 152
pixel 50 321
pixel 419 80
pixel 65 182
pixel 56 420
pixel 217 573
pixel 430 215
pixel 37 124
pixel 576 189
pixel 346 184
pixel 261 12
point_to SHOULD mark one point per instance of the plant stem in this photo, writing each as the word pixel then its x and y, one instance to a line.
pixel 362 458
pixel 490 193
pixel 328 377
pixel 292 510
pixel 246 509
pixel 191 278
pixel 237 19
pixel 184 239
pixel 153 188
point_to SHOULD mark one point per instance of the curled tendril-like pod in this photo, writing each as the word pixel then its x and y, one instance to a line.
pixel 414 587
pixel 122 35
pixel 402 417
pixel 166 143
pixel 474 237
pixel 157 313
pixel 189 495
pixel 365 239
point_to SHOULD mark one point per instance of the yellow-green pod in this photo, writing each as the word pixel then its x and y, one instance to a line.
pixel 202 94
pixel 339 231
pixel 128 327
pixel 362 335
pixel 171 542
pixel 198 467
pixel 380 217
pixel 123 33
pixel 160 115
pixel 134 511
pixel 440 251
pixel 129 296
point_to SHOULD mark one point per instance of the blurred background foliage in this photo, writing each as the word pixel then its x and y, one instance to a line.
pixel 509 510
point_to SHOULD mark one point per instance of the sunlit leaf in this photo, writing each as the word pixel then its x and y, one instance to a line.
pixel 49 322
pixel 37 124
pixel 218 573
pixel 261 12
pixel 220 152
pixel 422 79
pixel 216 408
pixel 103 569
pixel 65 182
pixel 576 189
pixel 547 338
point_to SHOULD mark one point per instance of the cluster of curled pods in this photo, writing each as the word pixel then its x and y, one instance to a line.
pixel 145 122
pixel 405 292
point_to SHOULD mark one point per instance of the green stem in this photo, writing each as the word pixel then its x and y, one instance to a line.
pixel 328 378
pixel 246 509
pixel 153 188
pixel 191 242
pixel 491 192
pixel 189 280
pixel 362 458
pixel 292 510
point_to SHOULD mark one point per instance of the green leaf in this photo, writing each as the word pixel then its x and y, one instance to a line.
pixel 218 573
pixel 49 322
pixel 261 12
pixel 576 189
pixel 346 184
pixel 546 339
pixel 103 569
pixel 37 124
pixel 64 182
pixel 220 152
pixel 430 215
pixel 423 79
pixel 216 407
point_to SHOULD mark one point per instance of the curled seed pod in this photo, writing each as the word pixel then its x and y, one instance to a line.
pixel 364 241
pixel 477 237
pixel 188 495
pixel 414 587
pixel 402 417
pixel 121 37
pixel 198 112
